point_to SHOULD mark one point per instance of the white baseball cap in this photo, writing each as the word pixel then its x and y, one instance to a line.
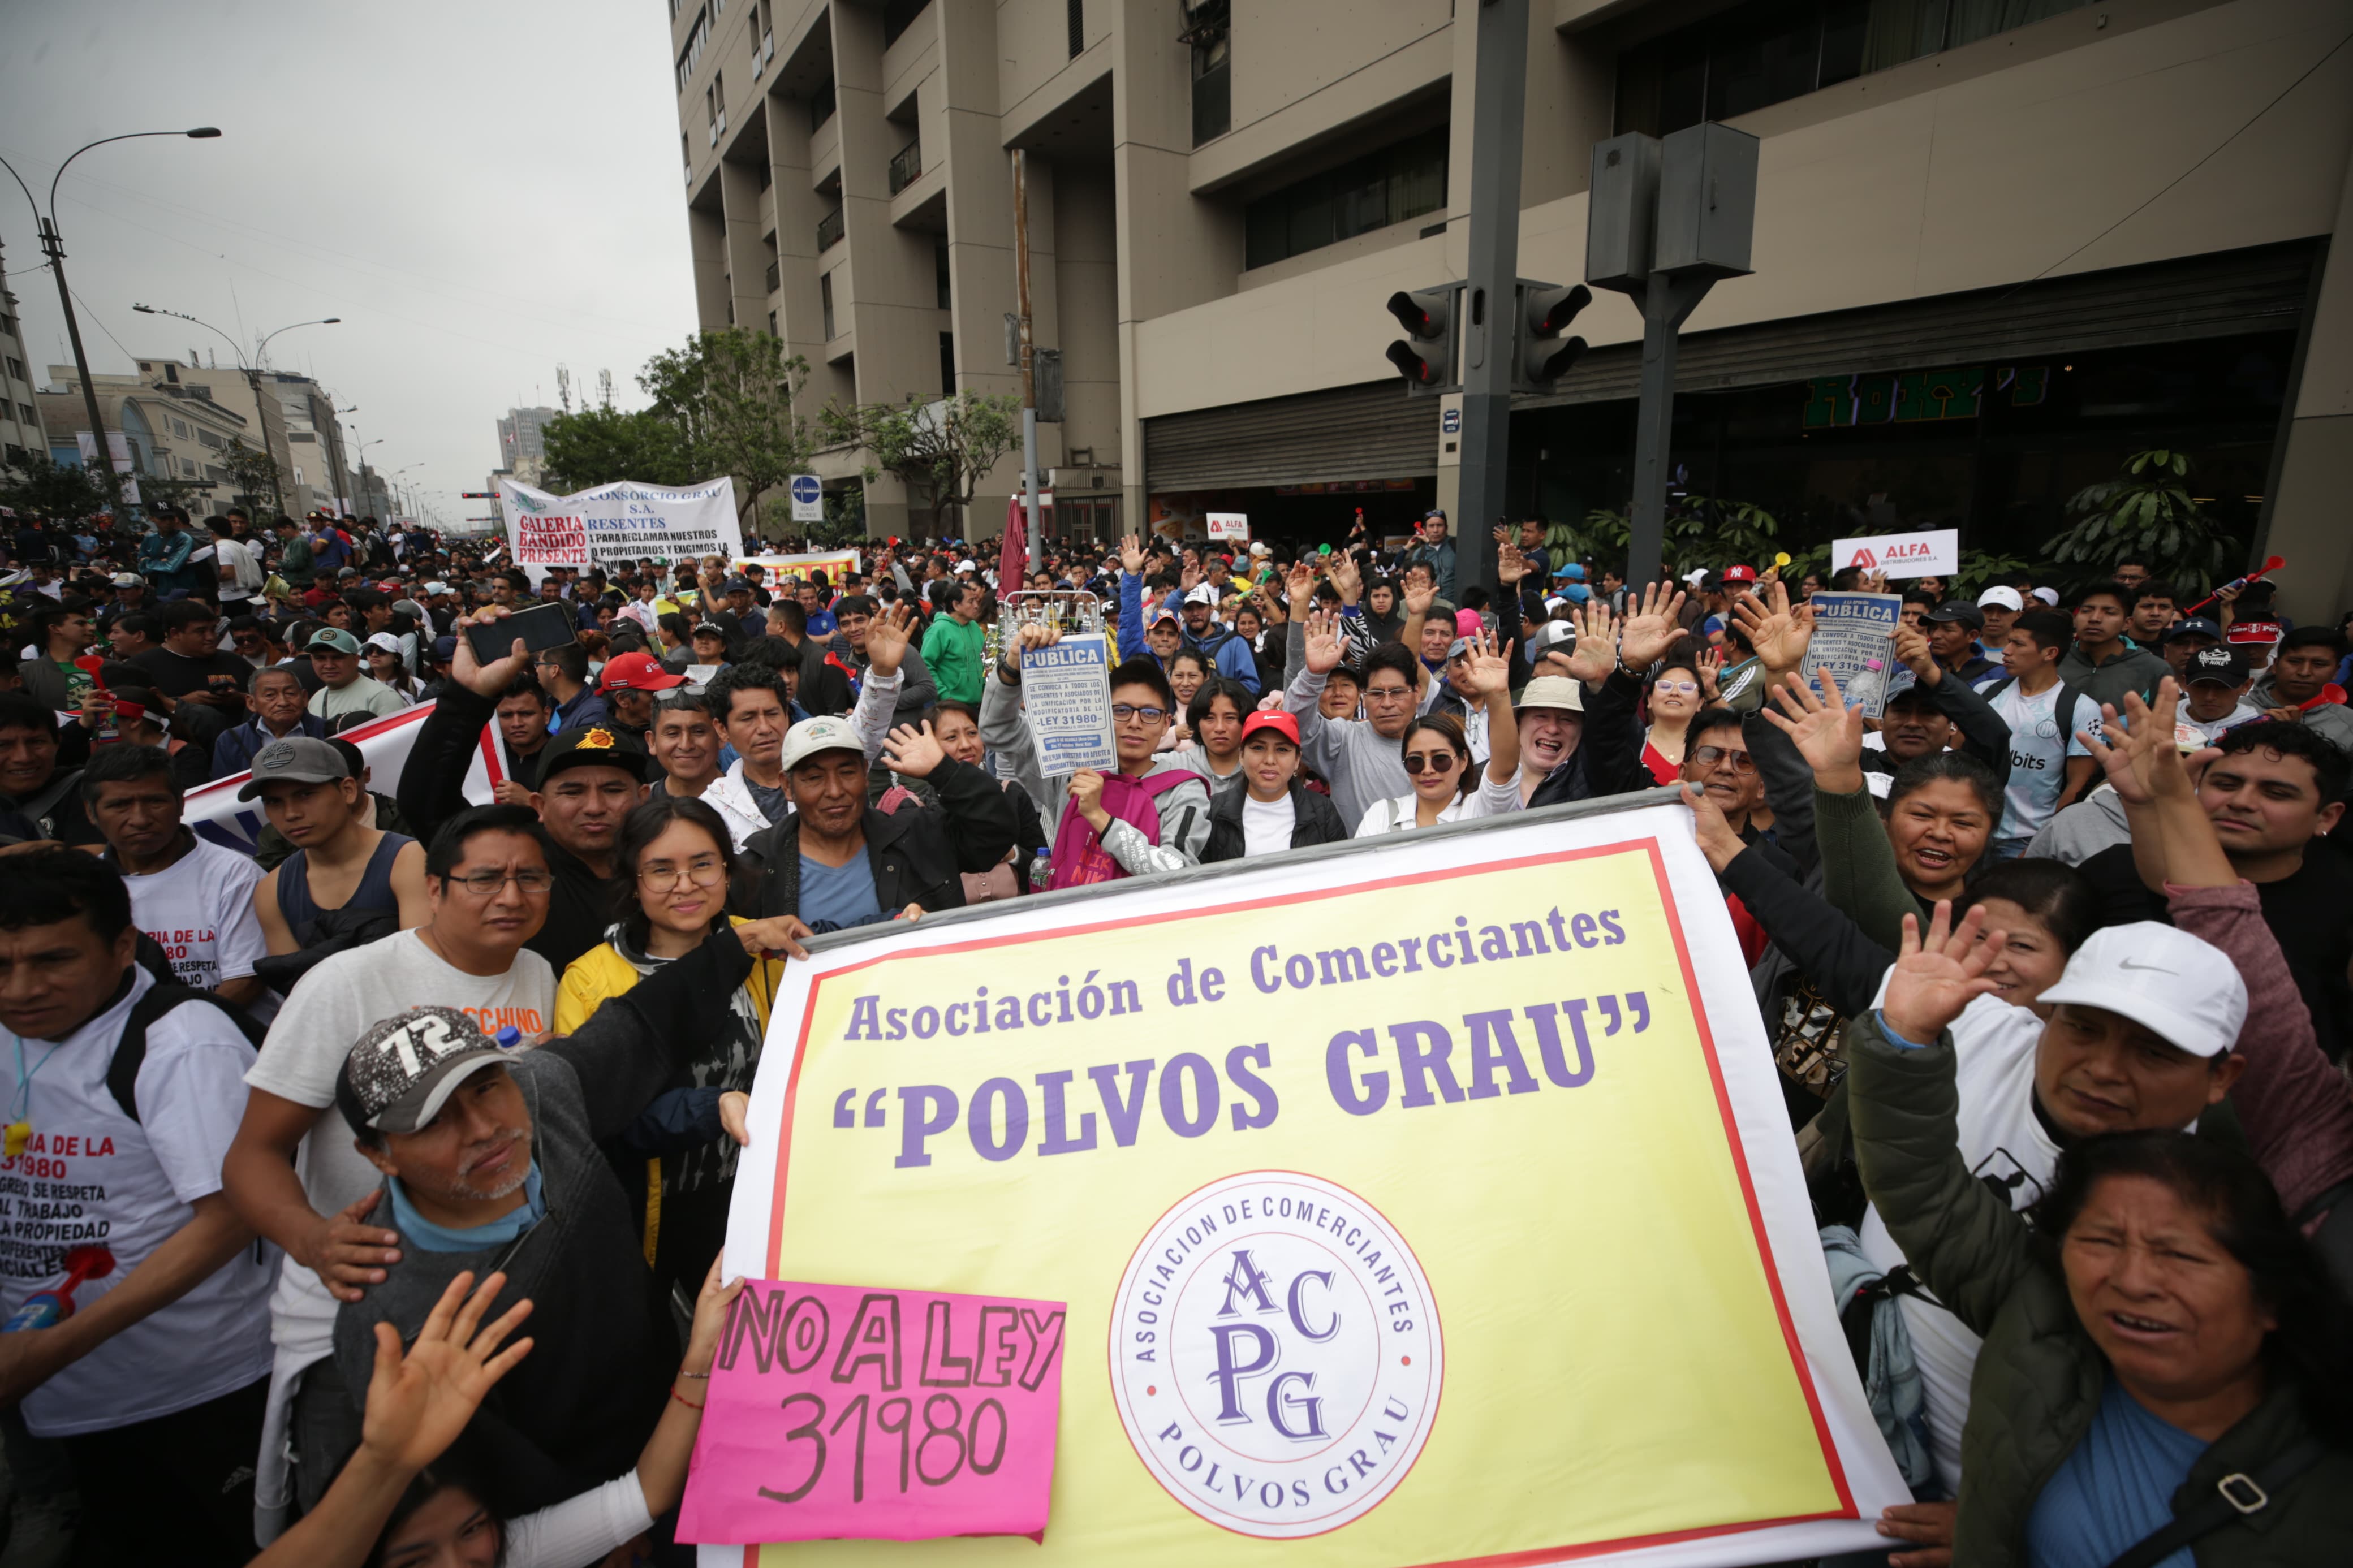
pixel 2185 989
pixel 811 736
pixel 1202 593
pixel 2048 595
pixel 1695 576
pixel 2007 598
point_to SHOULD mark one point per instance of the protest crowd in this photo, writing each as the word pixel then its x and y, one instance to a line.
pixel 377 1106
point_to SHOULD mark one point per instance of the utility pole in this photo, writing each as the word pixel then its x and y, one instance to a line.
pixel 1029 360
pixel 1490 304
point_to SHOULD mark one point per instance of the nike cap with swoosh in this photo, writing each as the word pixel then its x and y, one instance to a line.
pixel 2182 988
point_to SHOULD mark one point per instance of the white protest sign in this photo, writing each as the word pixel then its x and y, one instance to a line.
pixel 1855 637
pixel 1233 525
pixel 1066 698
pixel 620 522
pixel 1935 552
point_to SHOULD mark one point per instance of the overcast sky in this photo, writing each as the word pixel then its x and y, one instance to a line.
pixel 481 192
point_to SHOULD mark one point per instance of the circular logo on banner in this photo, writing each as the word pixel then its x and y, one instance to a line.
pixel 1275 1354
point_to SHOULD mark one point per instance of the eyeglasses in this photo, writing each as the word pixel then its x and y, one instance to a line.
pixel 704 871
pixel 1123 711
pixel 1387 693
pixel 1428 762
pixel 486 884
pixel 1708 756
pixel 1684 687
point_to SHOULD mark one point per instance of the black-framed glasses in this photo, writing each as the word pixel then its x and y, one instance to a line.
pixel 1123 711
pixel 1428 762
pixel 486 884
pixel 1708 756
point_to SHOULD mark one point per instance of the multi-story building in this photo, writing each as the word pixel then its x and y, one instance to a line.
pixel 292 415
pixel 1997 246
pixel 523 445
pixel 174 429
pixel 20 414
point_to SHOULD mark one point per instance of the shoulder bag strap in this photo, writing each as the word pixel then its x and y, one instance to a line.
pixel 2236 1495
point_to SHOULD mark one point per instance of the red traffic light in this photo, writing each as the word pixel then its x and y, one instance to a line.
pixel 1417 369
pixel 1557 312
pixel 1412 317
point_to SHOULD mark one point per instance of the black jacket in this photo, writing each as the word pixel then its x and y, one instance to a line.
pixel 1985 735
pixel 918 857
pixel 1314 820
pixel 575 1412
pixel 432 786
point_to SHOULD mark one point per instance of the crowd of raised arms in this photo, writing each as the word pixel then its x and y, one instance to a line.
pixel 368 1152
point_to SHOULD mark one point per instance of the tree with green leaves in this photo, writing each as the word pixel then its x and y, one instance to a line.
pixel 2145 514
pixel 729 394
pixel 941 448
pixel 44 488
pixel 599 445
pixel 256 476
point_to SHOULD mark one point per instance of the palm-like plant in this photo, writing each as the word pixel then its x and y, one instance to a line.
pixel 2145 514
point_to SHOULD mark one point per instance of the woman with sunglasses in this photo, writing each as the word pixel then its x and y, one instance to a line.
pixel 672 865
pixel 1438 756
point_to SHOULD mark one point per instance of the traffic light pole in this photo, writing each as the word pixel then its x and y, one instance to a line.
pixel 1667 303
pixel 1490 303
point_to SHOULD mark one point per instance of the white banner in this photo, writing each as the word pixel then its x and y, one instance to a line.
pixel 620 522
pixel 1936 553
pixel 215 810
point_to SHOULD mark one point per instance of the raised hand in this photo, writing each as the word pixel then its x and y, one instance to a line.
pixel 1299 583
pixel 1130 554
pixel 1912 653
pixel 417 1403
pixel 1711 666
pixel 1511 567
pixel 1421 590
pixel 887 636
pixel 1873 582
pixel 1190 578
pixel 1826 732
pixel 492 678
pixel 1778 634
pixel 1037 634
pixel 1491 672
pixel 1937 976
pixel 1652 629
pixel 1595 653
pixel 1347 579
pixel 1324 643
pixel 912 750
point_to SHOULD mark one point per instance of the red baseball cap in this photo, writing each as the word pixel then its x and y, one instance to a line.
pixel 638 672
pixel 1740 573
pixel 2246 632
pixel 1282 723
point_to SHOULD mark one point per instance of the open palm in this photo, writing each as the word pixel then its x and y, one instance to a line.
pixel 417 1403
pixel 1652 628
pixel 887 635
pixel 1826 732
pixel 1595 654
pixel 1937 976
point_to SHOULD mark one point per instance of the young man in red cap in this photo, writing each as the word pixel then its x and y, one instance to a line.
pixel 1272 811
pixel 631 683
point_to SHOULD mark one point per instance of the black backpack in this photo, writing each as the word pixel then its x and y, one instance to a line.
pixel 131 1050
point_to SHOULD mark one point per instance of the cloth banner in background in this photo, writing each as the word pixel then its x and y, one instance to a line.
pixel 619 522
pixel 1419 1204
pixel 215 810
pixel 832 563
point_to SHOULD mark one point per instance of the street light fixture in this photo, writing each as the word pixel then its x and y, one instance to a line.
pixel 252 379
pixel 53 247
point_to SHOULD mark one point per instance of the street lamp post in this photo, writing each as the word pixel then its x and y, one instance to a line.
pixel 252 379
pixel 53 247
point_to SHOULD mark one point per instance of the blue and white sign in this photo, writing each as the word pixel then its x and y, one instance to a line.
pixel 1854 635
pixel 1450 422
pixel 1066 698
pixel 808 499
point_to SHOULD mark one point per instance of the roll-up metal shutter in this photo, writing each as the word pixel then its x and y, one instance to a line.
pixel 1369 432
pixel 2221 294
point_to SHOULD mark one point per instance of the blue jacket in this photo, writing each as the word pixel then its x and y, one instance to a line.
pixel 1130 616
pixel 235 751
pixel 583 711
pixel 1230 654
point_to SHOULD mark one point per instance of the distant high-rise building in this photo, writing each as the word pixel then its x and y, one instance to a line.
pixel 20 417
pixel 522 447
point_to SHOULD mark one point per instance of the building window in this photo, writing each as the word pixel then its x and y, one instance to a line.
pixel 772 325
pixel 1208 31
pixel 1078 9
pixel 947 365
pixel 825 305
pixel 691 55
pixel 27 414
pixel 940 266
pixel 820 105
pixel 16 369
pixel 898 16
pixel 1399 182
pixel 828 231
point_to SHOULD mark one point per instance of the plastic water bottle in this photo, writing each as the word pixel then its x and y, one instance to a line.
pixel 1041 870
pixel 46 1309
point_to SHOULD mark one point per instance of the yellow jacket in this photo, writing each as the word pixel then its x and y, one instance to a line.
pixel 602 972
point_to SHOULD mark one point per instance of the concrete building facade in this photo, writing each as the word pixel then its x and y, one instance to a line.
pixel 21 433
pixel 523 445
pixel 2000 245
pixel 294 416
pixel 175 430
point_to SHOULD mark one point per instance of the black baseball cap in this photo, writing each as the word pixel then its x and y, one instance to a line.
pixel 2220 663
pixel 1959 610
pixel 594 746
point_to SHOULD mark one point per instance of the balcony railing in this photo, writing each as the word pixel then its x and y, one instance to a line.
pixel 772 277
pixel 828 231
pixel 907 167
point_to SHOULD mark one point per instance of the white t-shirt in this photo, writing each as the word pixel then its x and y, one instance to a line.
pixel 1490 799
pixel 200 908
pixel 1267 824
pixel 2038 755
pixel 1994 1047
pixel 328 1011
pixel 92 1174
pixel 2212 729
pixel 244 580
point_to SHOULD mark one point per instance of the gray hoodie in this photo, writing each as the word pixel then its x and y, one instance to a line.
pixel 2084 830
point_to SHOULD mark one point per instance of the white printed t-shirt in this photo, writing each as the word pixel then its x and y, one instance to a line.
pixel 330 1009
pixel 2038 755
pixel 2007 1146
pixel 90 1173
pixel 200 909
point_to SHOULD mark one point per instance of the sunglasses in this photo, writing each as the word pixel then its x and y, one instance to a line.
pixel 1123 711
pixel 1708 756
pixel 1428 762
pixel 1685 686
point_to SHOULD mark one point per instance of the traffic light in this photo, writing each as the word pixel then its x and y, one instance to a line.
pixel 1542 356
pixel 1426 354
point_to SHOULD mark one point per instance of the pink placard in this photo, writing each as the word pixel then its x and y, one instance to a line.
pixel 841 1411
